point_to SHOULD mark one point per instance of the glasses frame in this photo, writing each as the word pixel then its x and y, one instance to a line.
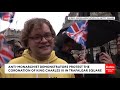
pixel 39 38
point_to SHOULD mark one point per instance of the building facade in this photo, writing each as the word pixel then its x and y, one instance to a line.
pixel 11 34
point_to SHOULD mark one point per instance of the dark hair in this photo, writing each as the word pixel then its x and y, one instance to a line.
pixel 20 49
pixel 28 27
pixel 62 39
pixel 68 40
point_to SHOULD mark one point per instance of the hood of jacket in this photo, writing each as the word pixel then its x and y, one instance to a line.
pixel 52 57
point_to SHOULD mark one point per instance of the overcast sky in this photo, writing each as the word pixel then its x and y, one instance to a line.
pixel 55 18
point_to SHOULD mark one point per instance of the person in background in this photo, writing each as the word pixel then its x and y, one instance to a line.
pixel 17 47
pixel 105 58
pixel 14 45
pixel 117 56
pixel 18 43
pixel 38 40
pixel 19 52
pixel 64 52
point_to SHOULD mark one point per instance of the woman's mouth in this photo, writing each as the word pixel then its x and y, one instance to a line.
pixel 44 47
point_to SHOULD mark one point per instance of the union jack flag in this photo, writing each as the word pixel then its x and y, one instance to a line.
pixel 78 32
pixel 7 16
pixel 6 53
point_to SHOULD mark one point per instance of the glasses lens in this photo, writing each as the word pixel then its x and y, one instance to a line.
pixel 40 38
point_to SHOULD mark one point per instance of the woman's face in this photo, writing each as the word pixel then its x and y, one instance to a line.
pixel 41 41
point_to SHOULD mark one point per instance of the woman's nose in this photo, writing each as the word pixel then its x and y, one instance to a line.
pixel 43 39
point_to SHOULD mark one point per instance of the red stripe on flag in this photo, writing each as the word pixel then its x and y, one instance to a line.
pixel 75 27
pixel 1 60
pixel 7 54
pixel 84 36
pixel 6 16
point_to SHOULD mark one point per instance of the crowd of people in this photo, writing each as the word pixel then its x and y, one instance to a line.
pixel 37 46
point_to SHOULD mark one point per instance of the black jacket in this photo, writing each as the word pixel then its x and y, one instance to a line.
pixel 116 60
pixel 65 56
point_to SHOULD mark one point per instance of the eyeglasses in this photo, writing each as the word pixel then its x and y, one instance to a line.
pixel 39 38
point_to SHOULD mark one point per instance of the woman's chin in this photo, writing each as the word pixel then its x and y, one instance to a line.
pixel 45 53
